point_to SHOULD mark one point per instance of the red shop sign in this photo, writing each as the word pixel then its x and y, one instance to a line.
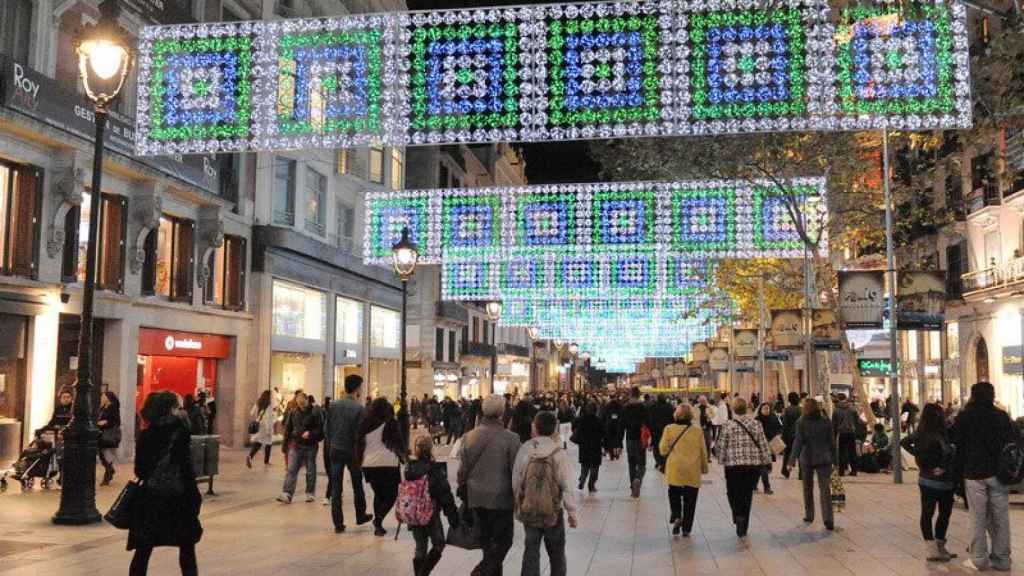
pixel 153 342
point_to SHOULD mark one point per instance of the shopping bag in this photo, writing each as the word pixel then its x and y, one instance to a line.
pixel 120 513
pixel 838 490
pixel 467 534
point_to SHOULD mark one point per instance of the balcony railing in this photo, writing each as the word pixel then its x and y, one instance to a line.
pixel 477 349
pixel 983 196
pixel 514 350
pixel 1000 275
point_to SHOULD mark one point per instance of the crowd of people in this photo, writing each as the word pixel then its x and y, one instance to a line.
pixel 512 463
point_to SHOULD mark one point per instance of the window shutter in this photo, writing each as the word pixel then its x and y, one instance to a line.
pixel 25 221
pixel 69 259
pixel 149 264
pixel 234 273
pixel 184 259
pixel 112 227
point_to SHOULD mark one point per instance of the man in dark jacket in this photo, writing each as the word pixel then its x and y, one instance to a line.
pixel 979 433
pixel 636 416
pixel 661 416
pixel 343 419
pixel 789 419
pixel 844 423
pixel 303 430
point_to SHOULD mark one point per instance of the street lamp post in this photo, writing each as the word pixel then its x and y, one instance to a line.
pixel 404 256
pixel 493 310
pixel 103 61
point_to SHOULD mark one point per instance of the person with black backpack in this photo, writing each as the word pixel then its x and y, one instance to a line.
pixel 989 454
pixel 935 456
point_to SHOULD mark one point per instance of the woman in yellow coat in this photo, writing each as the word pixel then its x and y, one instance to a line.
pixel 686 460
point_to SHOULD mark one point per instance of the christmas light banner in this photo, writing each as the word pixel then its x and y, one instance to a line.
pixel 526 313
pixel 564 232
pixel 550 72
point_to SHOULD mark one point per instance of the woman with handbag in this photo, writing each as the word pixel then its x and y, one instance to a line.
pixel 261 429
pixel 166 511
pixel 743 451
pixel 772 426
pixel 109 422
pixel 813 446
pixel 686 460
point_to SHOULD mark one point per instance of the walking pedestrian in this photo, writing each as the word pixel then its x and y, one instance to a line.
pixel 635 416
pixel 590 437
pixel 327 455
pixel 707 413
pixel 813 446
pixel 772 426
pixel 565 420
pixel 935 456
pixel 343 419
pixel 980 432
pixel 790 416
pixel 303 431
pixel 742 450
pixel 614 429
pixel 380 450
pixel 844 425
pixel 723 413
pixel 440 490
pixel 108 420
pixel 263 417
pixel 686 460
pixel 159 518
pixel 542 487
pixel 485 483
pixel 662 414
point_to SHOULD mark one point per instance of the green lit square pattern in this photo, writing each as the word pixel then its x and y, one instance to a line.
pixel 773 224
pixel 896 60
pixel 603 70
pixel 748 64
pixel 201 89
pixel 329 83
pixel 704 220
pixel 471 225
pixel 464 77
pixel 624 220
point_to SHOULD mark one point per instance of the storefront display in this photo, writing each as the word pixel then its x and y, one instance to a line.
pixel 385 328
pixel 348 341
pixel 179 362
pixel 299 312
pixel 294 371
pixel 13 379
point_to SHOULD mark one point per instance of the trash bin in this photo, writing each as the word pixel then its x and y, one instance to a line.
pixel 206 459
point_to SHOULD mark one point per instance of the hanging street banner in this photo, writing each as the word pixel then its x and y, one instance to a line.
pixel 719 360
pixel 861 299
pixel 921 300
pixel 787 329
pixel 745 343
pixel 551 72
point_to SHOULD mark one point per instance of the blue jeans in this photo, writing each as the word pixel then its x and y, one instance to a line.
pixel 989 500
pixel 299 456
pixel 554 543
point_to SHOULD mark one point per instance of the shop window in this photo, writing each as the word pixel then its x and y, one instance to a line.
pixel 377 164
pixel 439 344
pixel 226 284
pixel 16 29
pixel 349 321
pixel 20 201
pixel 167 270
pixel 284 191
pixel 397 160
pixel 316 202
pixel 113 222
pixel 299 312
pixel 384 328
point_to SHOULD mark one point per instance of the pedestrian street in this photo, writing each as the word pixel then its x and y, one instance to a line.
pixel 248 533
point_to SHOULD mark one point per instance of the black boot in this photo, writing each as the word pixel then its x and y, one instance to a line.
pixel 108 475
pixel 433 557
pixel 417 566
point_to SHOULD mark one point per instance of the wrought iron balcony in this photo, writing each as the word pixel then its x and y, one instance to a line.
pixel 997 276
pixel 477 349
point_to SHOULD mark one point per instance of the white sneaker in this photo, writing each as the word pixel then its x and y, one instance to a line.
pixel 326 501
pixel 284 498
pixel 310 498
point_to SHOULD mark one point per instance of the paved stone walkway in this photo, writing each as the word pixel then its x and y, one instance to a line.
pixel 248 533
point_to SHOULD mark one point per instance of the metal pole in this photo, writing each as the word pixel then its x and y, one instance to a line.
pixel 403 411
pixel 78 469
pixel 808 347
pixel 897 465
pixel 494 357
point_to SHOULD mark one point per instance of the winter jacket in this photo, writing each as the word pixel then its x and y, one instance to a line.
pixel 614 426
pixel 440 489
pixel 737 447
pixel 844 419
pixel 814 443
pixel 156 520
pixel 300 421
pixel 541 447
pixel 590 436
pixel 635 416
pixel 485 471
pixel 771 425
pixel 931 457
pixel 789 419
pixel 686 459
pixel 342 425
pixel 980 431
pixel 661 416
pixel 265 420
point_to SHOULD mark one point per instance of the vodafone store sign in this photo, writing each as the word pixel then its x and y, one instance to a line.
pixel 153 342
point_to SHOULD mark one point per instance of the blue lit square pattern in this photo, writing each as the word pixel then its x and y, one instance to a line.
pixel 623 222
pixel 201 88
pixel 337 74
pixel 748 64
pixel 603 70
pixel 576 273
pixel 523 274
pixel 472 226
pixel 546 222
pixel 896 62
pixel 632 272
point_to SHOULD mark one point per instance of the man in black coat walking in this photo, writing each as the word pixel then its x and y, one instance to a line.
pixel 661 416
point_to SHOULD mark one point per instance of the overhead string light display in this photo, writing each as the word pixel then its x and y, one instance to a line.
pixel 551 72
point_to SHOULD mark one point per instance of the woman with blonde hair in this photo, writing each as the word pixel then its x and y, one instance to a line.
pixel 686 460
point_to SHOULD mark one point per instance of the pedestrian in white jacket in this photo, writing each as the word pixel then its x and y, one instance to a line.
pixel 544 446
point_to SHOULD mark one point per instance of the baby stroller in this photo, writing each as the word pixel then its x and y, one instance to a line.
pixel 40 459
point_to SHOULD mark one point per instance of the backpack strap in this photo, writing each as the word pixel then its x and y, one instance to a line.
pixel 676 441
pixel 750 434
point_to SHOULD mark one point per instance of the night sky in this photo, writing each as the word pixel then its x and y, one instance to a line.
pixel 546 163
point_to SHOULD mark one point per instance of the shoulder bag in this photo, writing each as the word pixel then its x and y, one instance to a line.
pixel 166 480
pixel 120 514
pixel 467 535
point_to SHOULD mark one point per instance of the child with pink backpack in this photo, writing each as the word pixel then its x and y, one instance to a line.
pixel 422 497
